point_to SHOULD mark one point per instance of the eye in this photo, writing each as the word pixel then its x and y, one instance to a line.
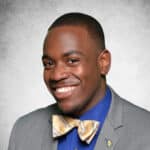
pixel 48 63
pixel 73 60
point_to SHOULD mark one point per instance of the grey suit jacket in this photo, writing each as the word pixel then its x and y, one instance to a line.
pixel 127 127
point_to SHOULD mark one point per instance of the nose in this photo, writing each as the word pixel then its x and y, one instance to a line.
pixel 59 72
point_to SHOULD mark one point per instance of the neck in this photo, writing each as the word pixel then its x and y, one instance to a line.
pixel 95 99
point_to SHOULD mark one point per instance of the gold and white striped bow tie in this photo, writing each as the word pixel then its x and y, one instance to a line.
pixel 63 124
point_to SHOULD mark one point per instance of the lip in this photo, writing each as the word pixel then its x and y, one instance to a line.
pixel 63 92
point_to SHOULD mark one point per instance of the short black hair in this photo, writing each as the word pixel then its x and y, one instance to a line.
pixel 79 19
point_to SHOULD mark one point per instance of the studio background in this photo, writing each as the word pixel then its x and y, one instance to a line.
pixel 23 25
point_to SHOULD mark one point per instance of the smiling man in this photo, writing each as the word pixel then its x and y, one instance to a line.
pixel 87 114
pixel 70 56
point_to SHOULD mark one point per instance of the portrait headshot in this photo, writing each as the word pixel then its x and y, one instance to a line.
pixel 75 75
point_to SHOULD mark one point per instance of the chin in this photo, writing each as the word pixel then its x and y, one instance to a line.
pixel 68 110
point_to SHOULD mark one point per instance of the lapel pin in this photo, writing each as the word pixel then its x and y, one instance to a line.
pixel 108 143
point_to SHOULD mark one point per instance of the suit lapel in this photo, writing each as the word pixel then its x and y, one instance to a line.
pixel 48 143
pixel 112 126
pixel 107 138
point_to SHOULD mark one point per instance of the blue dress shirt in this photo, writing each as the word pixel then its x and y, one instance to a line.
pixel 71 141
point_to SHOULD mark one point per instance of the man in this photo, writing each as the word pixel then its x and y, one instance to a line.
pixel 75 66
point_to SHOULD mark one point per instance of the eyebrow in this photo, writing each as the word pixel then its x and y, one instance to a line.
pixel 72 52
pixel 45 56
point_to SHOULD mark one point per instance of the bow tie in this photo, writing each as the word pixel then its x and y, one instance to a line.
pixel 63 124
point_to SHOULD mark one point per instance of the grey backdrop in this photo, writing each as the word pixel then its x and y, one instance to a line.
pixel 23 25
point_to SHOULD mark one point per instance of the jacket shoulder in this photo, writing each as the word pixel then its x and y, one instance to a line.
pixel 134 133
pixel 31 128
pixel 135 114
pixel 38 115
pixel 130 113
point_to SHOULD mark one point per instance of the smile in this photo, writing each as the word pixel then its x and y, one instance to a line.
pixel 64 92
pixel 64 89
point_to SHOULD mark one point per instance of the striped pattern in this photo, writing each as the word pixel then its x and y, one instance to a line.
pixel 63 124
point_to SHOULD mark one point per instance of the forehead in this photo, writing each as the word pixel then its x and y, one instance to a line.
pixel 68 34
pixel 65 38
pixel 76 29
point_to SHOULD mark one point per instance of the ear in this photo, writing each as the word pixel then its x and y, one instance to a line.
pixel 104 60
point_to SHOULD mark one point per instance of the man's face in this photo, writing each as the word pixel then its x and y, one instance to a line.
pixel 72 70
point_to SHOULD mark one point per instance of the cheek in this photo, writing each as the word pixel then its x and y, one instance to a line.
pixel 89 77
pixel 45 76
pixel 90 72
pixel 92 80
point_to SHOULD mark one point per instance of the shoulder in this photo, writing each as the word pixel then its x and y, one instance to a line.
pixel 136 120
pixel 37 116
pixel 33 121
pixel 31 128
pixel 136 117
pixel 131 113
pixel 134 112
pixel 134 124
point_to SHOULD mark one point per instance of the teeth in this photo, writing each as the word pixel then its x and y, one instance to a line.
pixel 64 89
